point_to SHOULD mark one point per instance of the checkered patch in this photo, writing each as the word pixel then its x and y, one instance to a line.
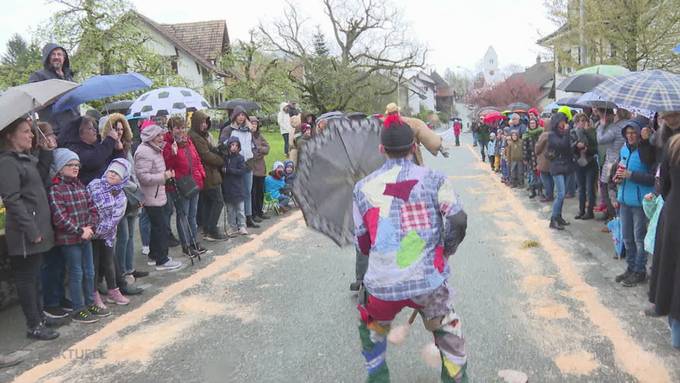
pixel 414 216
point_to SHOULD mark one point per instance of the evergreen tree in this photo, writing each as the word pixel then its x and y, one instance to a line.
pixel 320 47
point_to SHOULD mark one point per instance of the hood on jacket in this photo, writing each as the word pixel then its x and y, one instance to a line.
pixel 555 121
pixel 233 139
pixel 282 106
pixel 638 123
pixel 197 118
pixel 111 121
pixel 47 49
pixel 238 110
pixel 150 132
pixel 288 164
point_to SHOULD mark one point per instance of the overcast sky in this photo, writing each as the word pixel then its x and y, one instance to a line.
pixel 457 32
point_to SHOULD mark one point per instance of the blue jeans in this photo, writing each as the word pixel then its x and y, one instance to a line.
pixel 505 170
pixel 81 274
pixel 675 332
pixel 248 185
pixel 125 244
pixel 570 183
pixel 548 185
pixel 474 139
pixel 586 176
pixel 144 227
pixel 633 230
pixel 52 276
pixel 186 219
pixel 559 182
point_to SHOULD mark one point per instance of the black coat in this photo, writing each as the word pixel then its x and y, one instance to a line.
pixel 664 284
pixel 27 214
pixel 233 187
pixel 94 159
pixel 560 153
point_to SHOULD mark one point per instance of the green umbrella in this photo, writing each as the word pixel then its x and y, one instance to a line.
pixel 607 70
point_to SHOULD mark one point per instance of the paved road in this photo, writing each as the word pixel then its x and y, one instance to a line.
pixel 276 308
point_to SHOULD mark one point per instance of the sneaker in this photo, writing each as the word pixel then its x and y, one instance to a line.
pixel 40 332
pixel 554 224
pixel 200 249
pixel 580 215
pixel 55 312
pixel 150 262
pixel 98 300
pixel 172 241
pixel 169 265
pixel 97 311
pixel 250 223
pixel 66 305
pixel 215 237
pixel 84 316
pixel 146 250
pixel 114 296
pixel 140 274
pixel 634 279
pixel 131 290
pixel 55 322
pixel 9 360
pixel 129 279
pixel 243 231
pixel 621 277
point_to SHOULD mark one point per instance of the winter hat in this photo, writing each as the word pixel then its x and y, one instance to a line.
pixel 118 167
pixel 288 164
pixel 566 111
pixel 150 132
pixel 396 135
pixel 62 156
pixel 278 164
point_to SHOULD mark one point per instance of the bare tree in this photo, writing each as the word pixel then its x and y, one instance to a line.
pixel 370 40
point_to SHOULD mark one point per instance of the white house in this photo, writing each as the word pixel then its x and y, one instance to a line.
pixel 193 49
pixel 421 90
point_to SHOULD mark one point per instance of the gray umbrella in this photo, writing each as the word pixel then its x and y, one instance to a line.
pixel 233 103
pixel 20 100
pixel 582 83
pixel 329 166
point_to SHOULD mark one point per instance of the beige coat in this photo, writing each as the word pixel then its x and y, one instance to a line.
pixel 150 170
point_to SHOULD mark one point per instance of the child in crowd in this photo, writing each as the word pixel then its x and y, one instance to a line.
pixel 491 148
pixel 289 173
pixel 74 217
pixel 109 198
pixel 515 156
pixel 233 189
pixel 274 183
pixel 498 149
pixel 505 170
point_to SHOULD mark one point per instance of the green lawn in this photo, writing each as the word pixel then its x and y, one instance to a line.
pixel 275 141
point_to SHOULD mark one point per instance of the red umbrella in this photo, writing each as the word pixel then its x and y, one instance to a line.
pixel 493 117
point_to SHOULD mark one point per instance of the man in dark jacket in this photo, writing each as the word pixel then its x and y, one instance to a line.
pixel 95 155
pixel 56 65
pixel 561 164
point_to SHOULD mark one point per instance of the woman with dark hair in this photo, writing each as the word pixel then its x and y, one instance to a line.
pixel 561 164
pixel 28 225
pixel 585 149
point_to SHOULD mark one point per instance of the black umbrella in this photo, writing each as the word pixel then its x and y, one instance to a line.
pixel 572 102
pixel 582 83
pixel 519 106
pixel 233 103
pixel 329 166
pixel 117 106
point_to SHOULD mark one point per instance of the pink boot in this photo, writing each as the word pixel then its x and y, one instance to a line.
pixel 98 300
pixel 114 296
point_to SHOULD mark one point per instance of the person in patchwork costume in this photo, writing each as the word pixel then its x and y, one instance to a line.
pixel 408 222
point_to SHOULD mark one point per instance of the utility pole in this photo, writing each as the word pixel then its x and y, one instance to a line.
pixel 582 46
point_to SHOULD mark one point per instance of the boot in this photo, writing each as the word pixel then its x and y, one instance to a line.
pixel 634 279
pixel 562 221
pixel 40 332
pixel 580 215
pixel 355 286
pixel 250 223
pixel 256 219
pixel 621 277
pixel 533 193
pixel 588 215
pixel 555 224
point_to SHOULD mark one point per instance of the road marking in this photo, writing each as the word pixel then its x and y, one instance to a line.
pixel 111 330
pixel 645 366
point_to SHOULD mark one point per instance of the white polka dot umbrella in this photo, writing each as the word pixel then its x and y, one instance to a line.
pixel 167 101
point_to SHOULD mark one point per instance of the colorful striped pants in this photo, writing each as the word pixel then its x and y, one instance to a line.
pixel 436 309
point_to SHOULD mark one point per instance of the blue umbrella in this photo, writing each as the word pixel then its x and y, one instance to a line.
pixel 98 87
pixel 655 90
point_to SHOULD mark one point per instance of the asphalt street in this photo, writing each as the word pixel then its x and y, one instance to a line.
pixel 275 307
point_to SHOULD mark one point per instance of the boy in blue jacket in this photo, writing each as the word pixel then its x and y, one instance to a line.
pixel 635 179
pixel 274 183
pixel 233 189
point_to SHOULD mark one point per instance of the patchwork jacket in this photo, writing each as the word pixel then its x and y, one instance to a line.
pixel 408 220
